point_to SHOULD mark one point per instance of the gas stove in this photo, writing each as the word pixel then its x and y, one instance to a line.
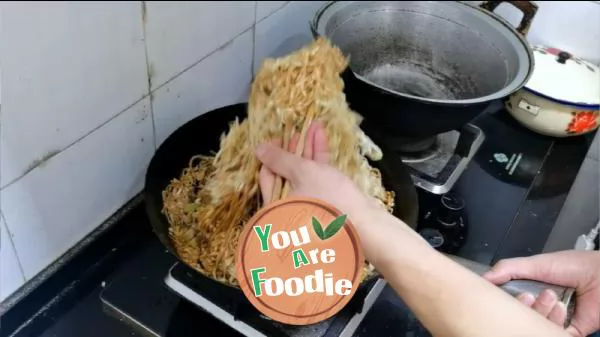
pixel 466 175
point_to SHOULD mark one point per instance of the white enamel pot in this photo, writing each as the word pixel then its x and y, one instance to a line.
pixel 562 97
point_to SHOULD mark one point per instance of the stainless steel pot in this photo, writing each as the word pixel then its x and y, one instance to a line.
pixel 428 66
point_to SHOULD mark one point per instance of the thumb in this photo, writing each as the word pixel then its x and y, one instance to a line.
pixel 556 268
pixel 279 161
pixel 511 269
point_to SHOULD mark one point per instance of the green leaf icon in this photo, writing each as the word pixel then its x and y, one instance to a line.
pixel 331 229
pixel 335 226
pixel 318 229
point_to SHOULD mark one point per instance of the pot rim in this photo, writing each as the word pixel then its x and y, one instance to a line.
pixel 506 91
pixel 563 78
pixel 558 101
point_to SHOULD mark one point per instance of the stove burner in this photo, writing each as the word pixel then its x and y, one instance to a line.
pixel 439 167
pixel 434 163
pixel 431 151
pixel 410 146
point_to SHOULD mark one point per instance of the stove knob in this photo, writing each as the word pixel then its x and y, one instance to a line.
pixel 451 209
pixel 433 236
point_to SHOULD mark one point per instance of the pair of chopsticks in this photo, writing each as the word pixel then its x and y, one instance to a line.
pixel 281 189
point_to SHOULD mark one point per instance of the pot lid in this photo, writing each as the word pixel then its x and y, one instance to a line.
pixel 564 78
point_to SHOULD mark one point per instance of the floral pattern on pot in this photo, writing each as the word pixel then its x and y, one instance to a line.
pixel 582 122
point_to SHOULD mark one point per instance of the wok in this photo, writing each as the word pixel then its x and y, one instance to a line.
pixel 419 68
pixel 201 136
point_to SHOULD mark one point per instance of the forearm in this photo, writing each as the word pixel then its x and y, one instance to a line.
pixel 448 299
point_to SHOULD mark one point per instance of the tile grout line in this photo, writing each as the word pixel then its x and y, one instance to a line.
pixel 73 143
pixel 273 12
pixel 144 16
pixel 127 108
pixel 219 48
pixel 14 248
pixel 143 97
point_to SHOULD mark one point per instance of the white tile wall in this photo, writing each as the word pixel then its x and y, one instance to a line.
pixel 570 25
pixel 264 8
pixel 11 275
pixel 284 31
pixel 61 201
pixel 178 34
pixel 68 68
pixel 221 79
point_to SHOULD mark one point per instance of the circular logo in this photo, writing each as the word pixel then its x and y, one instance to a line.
pixel 299 261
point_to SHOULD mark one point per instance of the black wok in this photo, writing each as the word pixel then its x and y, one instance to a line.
pixel 201 136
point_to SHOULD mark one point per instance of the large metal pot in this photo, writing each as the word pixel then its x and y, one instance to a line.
pixel 422 68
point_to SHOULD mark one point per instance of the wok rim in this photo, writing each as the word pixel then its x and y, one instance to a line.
pixel 506 91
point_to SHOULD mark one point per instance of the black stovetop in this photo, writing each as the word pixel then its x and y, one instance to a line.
pixel 509 214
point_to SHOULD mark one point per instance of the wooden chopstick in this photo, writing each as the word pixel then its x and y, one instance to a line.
pixel 277 187
pixel 280 192
pixel 299 151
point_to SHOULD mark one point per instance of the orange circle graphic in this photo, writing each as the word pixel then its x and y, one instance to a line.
pixel 299 260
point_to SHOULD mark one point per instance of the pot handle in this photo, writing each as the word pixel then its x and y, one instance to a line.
pixel 528 8
pixel 516 287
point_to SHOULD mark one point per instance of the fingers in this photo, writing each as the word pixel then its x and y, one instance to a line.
pixel 558 314
pixel 315 146
pixel 310 140
pixel 294 142
pixel 545 302
pixel 547 305
pixel 266 178
pixel 526 298
pixel 321 152
pixel 266 181
pixel 279 161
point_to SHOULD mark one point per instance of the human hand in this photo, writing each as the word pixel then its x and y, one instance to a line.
pixel 572 269
pixel 310 175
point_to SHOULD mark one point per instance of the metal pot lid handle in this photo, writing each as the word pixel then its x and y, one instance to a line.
pixel 528 8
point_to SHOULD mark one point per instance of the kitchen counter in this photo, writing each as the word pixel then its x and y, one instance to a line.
pixel 68 304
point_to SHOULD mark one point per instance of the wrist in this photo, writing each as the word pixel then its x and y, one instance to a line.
pixel 363 213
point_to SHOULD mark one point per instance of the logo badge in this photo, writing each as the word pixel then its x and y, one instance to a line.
pixel 299 261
